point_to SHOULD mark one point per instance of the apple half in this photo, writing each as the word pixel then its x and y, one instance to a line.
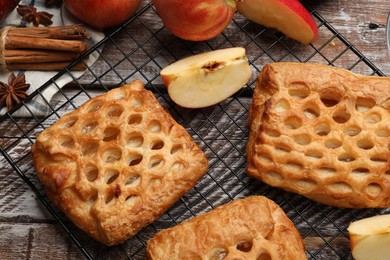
pixel 208 78
pixel 370 238
pixel 288 16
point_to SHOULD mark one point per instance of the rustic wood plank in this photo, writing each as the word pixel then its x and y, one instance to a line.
pixel 30 241
pixel 35 241
pixel 28 231
pixel 363 24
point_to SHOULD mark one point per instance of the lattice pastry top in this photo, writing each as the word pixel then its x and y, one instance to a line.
pixel 250 228
pixel 117 163
pixel 322 132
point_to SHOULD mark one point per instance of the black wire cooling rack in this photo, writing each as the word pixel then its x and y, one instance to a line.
pixel 142 47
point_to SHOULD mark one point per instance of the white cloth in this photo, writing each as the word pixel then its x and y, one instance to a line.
pixel 36 79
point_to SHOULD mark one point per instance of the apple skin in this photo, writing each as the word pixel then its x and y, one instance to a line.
pixel 288 16
pixel 195 20
pixel 6 7
pixel 102 13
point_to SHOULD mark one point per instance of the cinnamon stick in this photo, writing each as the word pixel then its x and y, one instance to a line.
pixel 34 56
pixel 68 32
pixel 45 66
pixel 16 42
pixel 42 48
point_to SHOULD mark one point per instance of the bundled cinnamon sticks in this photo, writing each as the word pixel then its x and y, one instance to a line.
pixel 42 48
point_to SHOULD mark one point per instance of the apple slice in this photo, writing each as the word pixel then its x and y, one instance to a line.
pixel 206 79
pixel 288 16
pixel 370 238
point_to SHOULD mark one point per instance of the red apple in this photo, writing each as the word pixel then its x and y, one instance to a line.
pixel 288 16
pixel 6 7
pixel 195 20
pixel 102 13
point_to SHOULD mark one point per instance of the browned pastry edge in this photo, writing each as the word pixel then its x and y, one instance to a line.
pixel 273 77
pixel 248 228
pixel 114 224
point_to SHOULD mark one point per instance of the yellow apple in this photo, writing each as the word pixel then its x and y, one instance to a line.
pixel 370 238
pixel 208 78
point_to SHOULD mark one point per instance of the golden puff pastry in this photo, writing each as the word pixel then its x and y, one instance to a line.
pixel 322 132
pixel 117 163
pixel 250 228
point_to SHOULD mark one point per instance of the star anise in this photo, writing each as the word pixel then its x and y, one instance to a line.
pixel 14 91
pixel 30 14
pixel 51 3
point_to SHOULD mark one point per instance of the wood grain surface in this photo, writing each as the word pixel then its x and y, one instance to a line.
pixel 28 230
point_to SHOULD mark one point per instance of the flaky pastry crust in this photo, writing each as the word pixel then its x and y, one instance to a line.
pixel 117 163
pixel 250 228
pixel 322 132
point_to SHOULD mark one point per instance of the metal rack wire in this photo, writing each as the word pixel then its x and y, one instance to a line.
pixel 220 130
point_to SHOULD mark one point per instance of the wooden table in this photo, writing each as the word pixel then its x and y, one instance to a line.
pixel 28 231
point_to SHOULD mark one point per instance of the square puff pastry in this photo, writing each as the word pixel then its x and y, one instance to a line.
pixel 117 163
pixel 322 132
pixel 250 228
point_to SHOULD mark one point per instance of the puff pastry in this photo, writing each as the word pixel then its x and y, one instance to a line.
pixel 322 132
pixel 117 163
pixel 250 228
